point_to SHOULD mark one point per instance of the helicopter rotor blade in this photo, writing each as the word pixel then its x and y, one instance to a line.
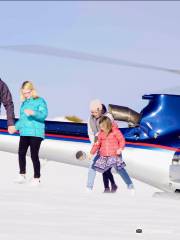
pixel 65 53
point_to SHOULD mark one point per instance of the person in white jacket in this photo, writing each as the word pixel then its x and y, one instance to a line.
pixel 98 110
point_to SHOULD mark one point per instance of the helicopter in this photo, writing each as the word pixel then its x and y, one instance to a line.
pixel 152 151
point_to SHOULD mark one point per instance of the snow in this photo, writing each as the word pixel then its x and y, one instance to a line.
pixel 59 119
pixel 62 119
pixel 61 208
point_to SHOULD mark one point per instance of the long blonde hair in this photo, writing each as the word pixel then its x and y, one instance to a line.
pixel 27 85
pixel 106 123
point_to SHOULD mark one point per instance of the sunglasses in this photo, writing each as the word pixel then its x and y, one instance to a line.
pixel 26 93
pixel 95 112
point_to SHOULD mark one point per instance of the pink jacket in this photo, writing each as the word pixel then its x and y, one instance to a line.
pixel 108 145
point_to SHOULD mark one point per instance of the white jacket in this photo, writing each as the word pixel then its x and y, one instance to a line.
pixel 91 133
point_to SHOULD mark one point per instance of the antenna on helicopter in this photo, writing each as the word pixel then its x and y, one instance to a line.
pixel 65 53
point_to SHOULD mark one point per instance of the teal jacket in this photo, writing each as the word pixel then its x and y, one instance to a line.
pixel 32 125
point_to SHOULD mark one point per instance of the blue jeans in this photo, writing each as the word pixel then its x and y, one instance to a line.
pixel 91 173
pixel 122 172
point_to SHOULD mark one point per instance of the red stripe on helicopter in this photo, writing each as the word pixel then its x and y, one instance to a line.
pixel 129 143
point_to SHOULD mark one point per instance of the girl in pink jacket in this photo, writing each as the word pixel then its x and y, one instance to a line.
pixel 110 144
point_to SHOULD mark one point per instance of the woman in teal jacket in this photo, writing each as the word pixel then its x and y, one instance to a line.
pixel 31 127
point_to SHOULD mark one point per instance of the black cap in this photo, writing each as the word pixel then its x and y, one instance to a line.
pixel 139 230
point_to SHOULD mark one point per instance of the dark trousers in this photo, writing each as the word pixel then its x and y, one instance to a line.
pixel 107 176
pixel 34 144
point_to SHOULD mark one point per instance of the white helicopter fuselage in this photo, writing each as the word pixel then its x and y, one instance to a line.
pixel 151 166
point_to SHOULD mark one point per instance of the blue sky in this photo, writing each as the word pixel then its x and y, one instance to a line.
pixel 144 32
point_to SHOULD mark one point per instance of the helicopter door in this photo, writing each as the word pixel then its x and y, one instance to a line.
pixel 174 170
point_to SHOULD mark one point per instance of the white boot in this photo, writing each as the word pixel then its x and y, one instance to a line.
pixel 89 190
pixel 35 182
pixel 132 192
pixel 20 179
pixel 131 189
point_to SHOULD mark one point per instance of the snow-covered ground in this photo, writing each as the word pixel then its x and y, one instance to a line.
pixel 61 208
